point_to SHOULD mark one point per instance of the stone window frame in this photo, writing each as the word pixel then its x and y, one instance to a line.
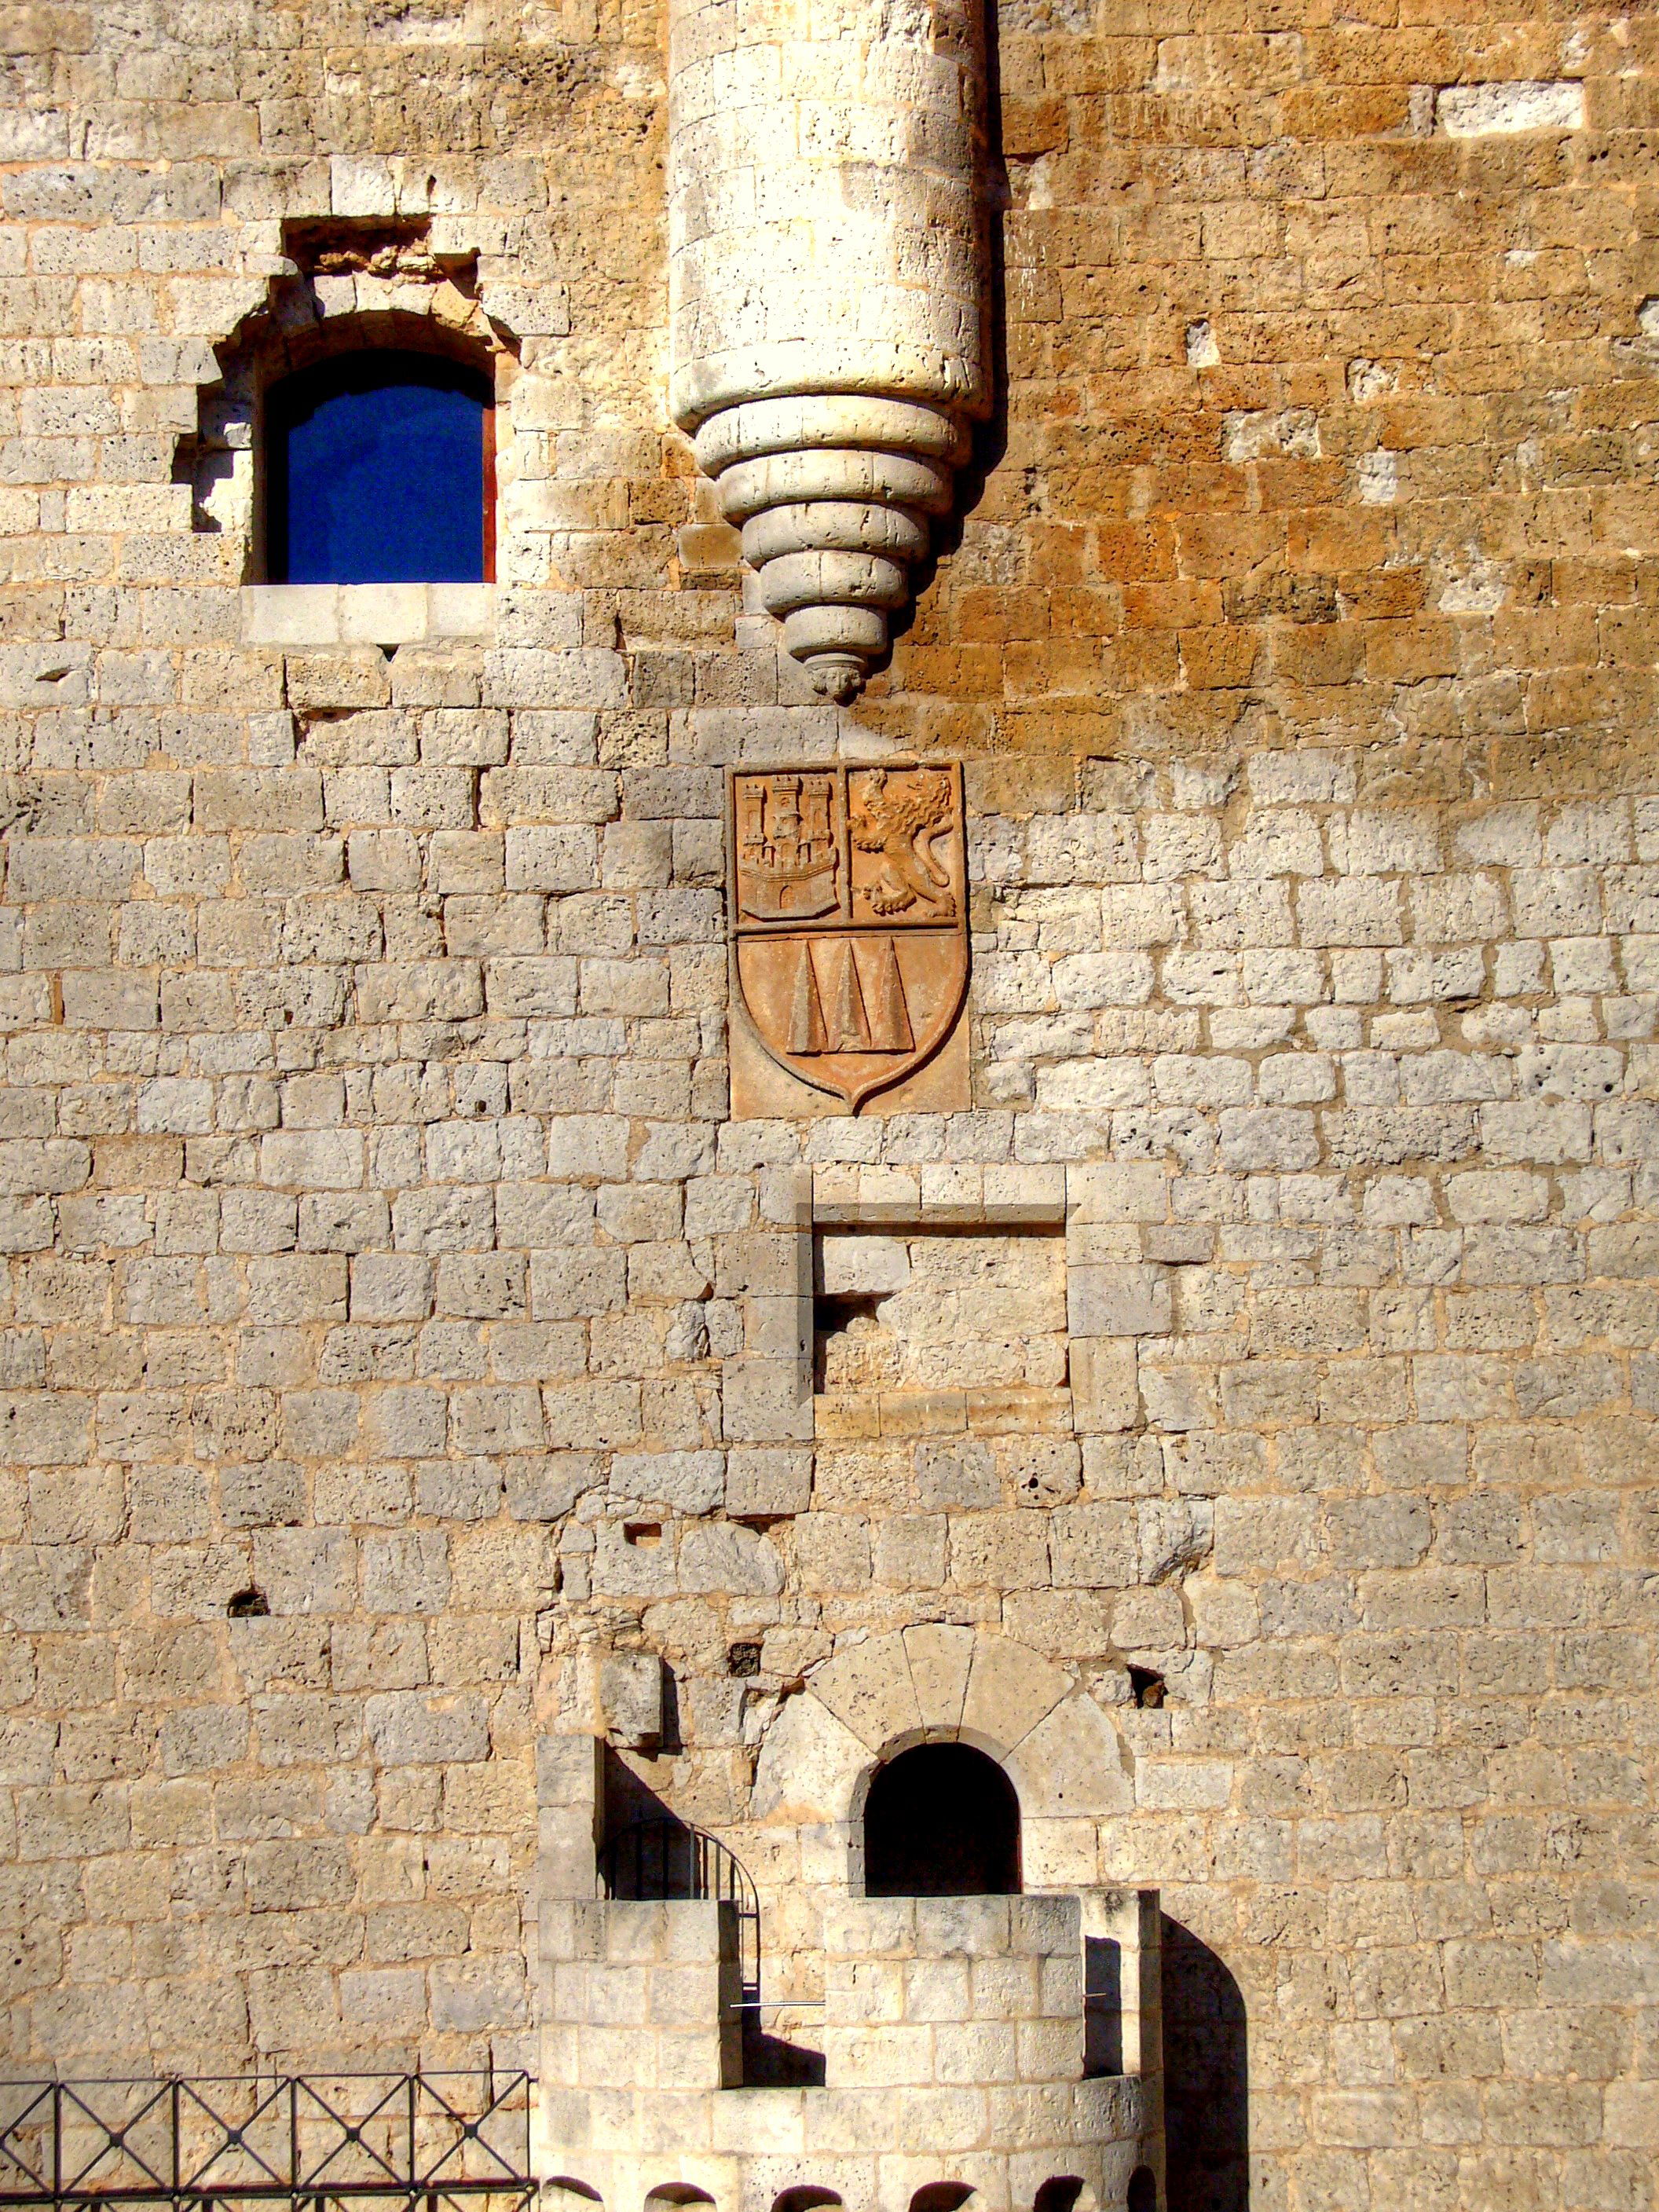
pixel 386 614
pixel 1115 1293
pixel 311 313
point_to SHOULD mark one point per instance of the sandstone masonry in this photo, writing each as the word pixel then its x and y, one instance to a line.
pixel 420 1395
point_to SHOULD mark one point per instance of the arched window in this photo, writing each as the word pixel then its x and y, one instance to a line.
pixel 380 469
pixel 1065 2192
pixel 941 1820
pixel 943 2196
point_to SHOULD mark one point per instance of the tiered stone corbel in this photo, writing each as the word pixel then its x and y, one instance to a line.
pixel 827 286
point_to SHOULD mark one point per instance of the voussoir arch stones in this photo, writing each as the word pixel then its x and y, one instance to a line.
pixel 939 1685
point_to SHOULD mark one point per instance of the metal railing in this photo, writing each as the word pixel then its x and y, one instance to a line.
pixel 418 2141
pixel 652 1861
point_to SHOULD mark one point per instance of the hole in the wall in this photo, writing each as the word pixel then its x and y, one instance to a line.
pixel 850 1350
pixel 1147 1688
pixel 249 1604
pixel 1064 2192
pixel 646 1535
pixel 345 246
pixel 941 2197
pixel 743 1659
pixel 677 2193
pixel 805 2198
pixel 941 1820
pixel 1143 2190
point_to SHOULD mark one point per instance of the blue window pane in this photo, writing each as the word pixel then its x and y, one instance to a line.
pixel 376 473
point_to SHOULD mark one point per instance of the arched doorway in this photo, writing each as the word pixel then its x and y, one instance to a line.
pixel 941 1820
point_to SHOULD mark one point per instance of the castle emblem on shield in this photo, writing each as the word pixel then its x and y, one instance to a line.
pixel 848 913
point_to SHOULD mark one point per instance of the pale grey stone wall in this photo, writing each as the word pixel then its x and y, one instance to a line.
pixel 376 1237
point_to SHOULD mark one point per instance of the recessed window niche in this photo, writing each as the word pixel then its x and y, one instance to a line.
pixel 380 469
pixel 941 1819
pixel 908 1324
pixel 351 443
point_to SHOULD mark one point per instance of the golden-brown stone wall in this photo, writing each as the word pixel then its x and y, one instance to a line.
pixel 392 1314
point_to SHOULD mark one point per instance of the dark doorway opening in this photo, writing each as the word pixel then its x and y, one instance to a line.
pixel 941 1820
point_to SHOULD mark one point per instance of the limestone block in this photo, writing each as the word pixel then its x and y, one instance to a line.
pixel 865 2056
pixel 867 1686
pixel 1005 1988
pixel 937 1990
pixel 944 2127
pixel 767 1483
pixel 1010 1689
pixel 630 1691
pixel 939 1658
pixel 1105 1385
pixel 1481 111
pixel 861 1264
pixel 976 1927
pixel 769 2129
pixel 865 1927
pixel 765 1402
pixel 1118 1299
pixel 809 1766
pixel 977 2051
pixel 1060 1853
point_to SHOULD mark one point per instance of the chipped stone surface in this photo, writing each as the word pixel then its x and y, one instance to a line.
pixel 1486 111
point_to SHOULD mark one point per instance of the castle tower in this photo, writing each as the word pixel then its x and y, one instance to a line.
pixel 829 1107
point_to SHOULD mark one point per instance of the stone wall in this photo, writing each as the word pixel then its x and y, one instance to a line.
pixel 394 1318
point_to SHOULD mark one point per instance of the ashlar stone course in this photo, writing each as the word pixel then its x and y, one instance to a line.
pixel 419 1395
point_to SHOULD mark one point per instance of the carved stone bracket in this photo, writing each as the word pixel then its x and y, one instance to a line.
pixel 828 295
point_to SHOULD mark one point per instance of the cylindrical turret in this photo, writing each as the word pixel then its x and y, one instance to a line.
pixel 826 277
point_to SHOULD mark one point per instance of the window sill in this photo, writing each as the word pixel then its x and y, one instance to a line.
pixel 367 614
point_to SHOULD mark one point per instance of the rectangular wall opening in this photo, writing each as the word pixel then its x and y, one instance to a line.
pixel 909 1322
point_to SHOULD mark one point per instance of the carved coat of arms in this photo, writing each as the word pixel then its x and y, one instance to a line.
pixel 848 912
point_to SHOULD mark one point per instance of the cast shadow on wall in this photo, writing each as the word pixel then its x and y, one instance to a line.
pixel 1206 2079
pixel 648 1852
pixel 990 437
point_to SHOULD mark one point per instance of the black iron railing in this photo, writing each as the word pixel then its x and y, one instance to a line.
pixel 650 1860
pixel 417 2141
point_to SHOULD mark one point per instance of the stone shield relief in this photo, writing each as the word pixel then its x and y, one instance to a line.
pixel 848 919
